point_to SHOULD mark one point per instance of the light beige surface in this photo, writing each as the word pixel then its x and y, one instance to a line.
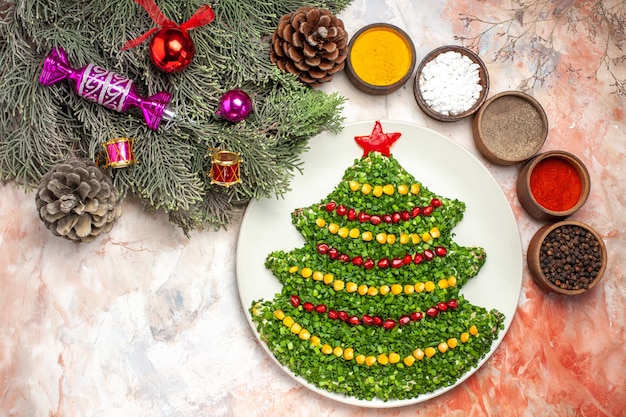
pixel 146 322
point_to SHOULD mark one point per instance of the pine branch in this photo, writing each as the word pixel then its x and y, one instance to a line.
pixel 42 126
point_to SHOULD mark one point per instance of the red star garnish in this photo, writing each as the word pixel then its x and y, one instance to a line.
pixel 377 141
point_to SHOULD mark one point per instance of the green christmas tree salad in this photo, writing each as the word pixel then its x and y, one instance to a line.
pixel 370 306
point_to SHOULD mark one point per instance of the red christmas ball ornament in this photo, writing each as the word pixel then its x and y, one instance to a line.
pixel 235 106
pixel 171 49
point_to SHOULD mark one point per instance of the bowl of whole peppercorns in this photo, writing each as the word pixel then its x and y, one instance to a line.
pixel 568 257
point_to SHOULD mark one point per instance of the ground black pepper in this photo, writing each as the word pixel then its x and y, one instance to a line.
pixel 512 128
pixel 570 257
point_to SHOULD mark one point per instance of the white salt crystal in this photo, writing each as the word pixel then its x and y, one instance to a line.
pixel 450 83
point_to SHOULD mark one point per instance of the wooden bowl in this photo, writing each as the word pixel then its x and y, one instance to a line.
pixel 556 188
pixel 538 254
pixel 510 128
pixel 381 59
pixel 418 86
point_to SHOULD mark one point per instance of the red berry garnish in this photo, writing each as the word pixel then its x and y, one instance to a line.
pixel 389 324
pixel 397 262
pixel 351 214
pixel 435 202
pixel 432 312
pixel 308 306
pixel 405 215
pixel 378 321
pixel 429 255
pixel 387 218
pixel 322 248
pixel 441 306
pixel 427 211
pixel 407 259
pixel 354 320
pixel 368 264
pixel 343 257
pixel 330 206
pixel 416 315
pixel 320 308
pixel 396 217
pixel 332 314
pixel 343 316
pixel 333 253
pixel 342 210
pixel 415 211
pixel 440 251
pixel 453 304
pixel 357 260
pixel 294 300
pixel 362 216
pixel 404 320
pixel 375 219
pixel 369 320
pixel 418 259
pixel 383 263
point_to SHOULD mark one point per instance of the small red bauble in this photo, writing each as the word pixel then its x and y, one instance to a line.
pixel 172 49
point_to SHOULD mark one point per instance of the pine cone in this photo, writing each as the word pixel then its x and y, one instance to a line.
pixel 310 42
pixel 77 201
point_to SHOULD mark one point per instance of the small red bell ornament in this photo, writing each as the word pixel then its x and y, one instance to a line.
pixel 171 47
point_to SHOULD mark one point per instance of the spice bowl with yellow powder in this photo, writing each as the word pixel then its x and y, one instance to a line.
pixel 451 83
pixel 381 59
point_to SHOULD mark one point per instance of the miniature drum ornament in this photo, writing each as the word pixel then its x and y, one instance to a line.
pixel 119 153
pixel 225 168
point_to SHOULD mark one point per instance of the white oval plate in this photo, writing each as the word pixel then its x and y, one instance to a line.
pixel 443 167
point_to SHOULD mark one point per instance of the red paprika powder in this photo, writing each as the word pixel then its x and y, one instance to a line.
pixel 555 184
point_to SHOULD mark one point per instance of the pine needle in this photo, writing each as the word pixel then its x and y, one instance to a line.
pixel 43 126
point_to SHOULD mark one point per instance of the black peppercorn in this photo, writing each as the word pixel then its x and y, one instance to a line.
pixel 570 257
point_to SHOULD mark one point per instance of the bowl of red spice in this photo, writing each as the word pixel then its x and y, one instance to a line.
pixel 567 257
pixel 553 185
pixel 510 127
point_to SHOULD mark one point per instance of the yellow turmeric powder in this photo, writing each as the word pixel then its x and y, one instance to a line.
pixel 381 56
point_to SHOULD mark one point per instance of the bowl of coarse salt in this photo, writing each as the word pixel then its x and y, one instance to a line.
pixel 451 83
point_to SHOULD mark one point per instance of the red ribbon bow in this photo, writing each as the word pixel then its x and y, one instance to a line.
pixel 203 16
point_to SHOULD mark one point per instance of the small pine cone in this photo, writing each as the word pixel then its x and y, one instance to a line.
pixel 77 200
pixel 311 43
